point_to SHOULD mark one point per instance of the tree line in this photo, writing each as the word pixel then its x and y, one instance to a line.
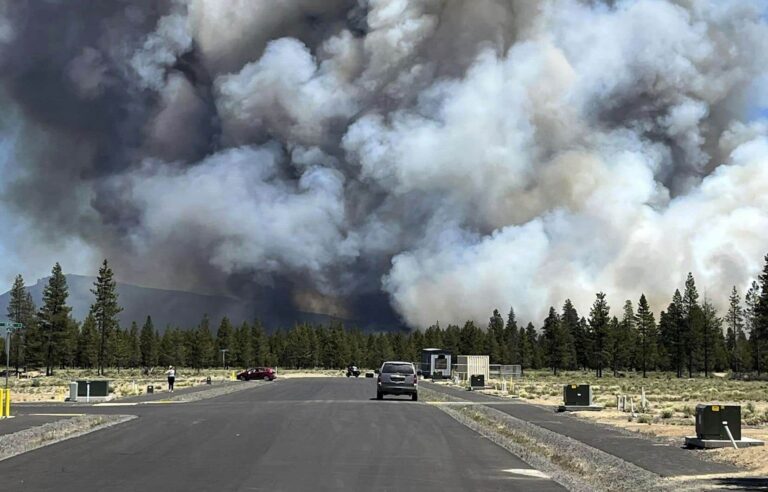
pixel 689 338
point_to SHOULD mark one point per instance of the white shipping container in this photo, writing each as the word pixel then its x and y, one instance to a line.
pixel 474 364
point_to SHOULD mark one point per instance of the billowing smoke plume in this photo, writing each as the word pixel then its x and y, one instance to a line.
pixel 442 157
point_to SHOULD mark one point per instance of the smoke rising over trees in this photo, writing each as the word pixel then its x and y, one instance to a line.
pixel 435 158
pixel 690 337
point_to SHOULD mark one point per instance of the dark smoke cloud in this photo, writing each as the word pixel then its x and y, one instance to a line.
pixel 436 157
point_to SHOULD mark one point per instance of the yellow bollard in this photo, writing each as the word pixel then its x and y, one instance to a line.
pixel 5 403
pixel 232 377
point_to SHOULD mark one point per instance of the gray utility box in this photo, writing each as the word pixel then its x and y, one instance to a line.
pixel 710 418
pixel 477 381
pixel 98 389
pixel 577 395
pixel 86 390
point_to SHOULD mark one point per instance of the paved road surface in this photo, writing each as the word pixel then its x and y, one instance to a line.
pixel 301 434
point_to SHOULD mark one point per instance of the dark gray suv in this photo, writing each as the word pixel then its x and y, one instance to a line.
pixel 397 378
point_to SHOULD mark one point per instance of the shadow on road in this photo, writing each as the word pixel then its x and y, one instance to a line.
pixel 745 483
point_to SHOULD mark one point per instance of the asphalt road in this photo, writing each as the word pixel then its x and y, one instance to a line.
pixel 301 434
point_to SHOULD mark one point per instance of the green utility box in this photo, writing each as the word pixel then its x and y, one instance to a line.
pixel 577 395
pixel 710 418
pixel 98 388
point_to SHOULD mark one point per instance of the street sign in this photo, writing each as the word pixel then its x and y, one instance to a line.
pixel 10 324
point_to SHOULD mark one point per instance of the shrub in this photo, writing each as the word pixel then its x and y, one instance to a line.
pixel 667 414
pixel 35 383
pixel 644 419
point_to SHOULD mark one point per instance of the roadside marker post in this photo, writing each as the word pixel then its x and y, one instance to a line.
pixel 5 403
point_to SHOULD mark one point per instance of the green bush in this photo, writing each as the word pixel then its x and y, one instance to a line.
pixel 35 383
pixel 644 419
pixel 667 414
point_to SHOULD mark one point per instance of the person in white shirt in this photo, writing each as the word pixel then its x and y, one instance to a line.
pixel 171 372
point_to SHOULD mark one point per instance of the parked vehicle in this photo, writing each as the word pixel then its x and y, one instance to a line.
pixel 397 378
pixel 353 371
pixel 264 373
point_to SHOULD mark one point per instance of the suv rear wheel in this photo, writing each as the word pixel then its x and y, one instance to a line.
pixel 379 395
pixel 415 397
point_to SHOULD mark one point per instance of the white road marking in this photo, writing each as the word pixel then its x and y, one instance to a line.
pixel 115 404
pixel 527 472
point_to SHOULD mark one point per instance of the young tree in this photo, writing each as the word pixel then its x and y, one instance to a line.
pixel 599 329
pixel 712 334
pixel 105 311
pixel 54 316
pixel 734 325
pixel 646 332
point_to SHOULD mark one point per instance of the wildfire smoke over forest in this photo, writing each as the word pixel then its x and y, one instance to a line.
pixel 442 157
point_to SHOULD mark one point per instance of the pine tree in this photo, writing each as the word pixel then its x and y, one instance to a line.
pixel 495 338
pixel 751 302
pixel 533 346
pixel 472 339
pixel 646 332
pixel 54 316
pixel 243 345
pixel 147 344
pixel 614 344
pixel 224 341
pixel 134 346
pixel 25 343
pixel 67 349
pixel 551 332
pixel 761 318
pixel 260 344
pixel 87 344
pixel 105 311
pixel 511 335
pixel 692 339
pixel 575 336
pixel 599 330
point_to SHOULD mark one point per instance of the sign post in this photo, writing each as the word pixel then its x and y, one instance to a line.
pixel 9 326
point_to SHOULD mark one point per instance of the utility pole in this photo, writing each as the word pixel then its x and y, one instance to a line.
pixel 223 357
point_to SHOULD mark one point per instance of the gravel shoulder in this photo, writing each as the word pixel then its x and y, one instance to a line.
pixel 59 430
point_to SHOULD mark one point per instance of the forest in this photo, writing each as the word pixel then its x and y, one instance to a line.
pixel 689 338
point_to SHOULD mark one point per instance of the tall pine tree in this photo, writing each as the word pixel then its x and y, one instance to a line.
pixel 105 311
pixel 599 330
pixel 54 317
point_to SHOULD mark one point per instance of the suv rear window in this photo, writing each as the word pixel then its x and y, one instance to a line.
pixel 397 369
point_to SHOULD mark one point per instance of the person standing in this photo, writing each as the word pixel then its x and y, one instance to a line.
pixel 171 372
